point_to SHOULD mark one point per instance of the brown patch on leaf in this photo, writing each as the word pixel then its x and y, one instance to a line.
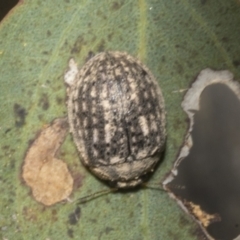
pixel 48 176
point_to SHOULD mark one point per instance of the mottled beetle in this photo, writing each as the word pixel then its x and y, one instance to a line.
pixel 116 116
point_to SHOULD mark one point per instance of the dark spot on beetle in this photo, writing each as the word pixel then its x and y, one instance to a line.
pixel 19 114
pixel 140 144
pixel 70 233
pixel 88 72
pixel 144 73
pixel 45 52
pixel 85 114
pixel 43 102
pixel 73 218
pixel 49 33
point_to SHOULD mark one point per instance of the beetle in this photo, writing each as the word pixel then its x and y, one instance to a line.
pixel 116 115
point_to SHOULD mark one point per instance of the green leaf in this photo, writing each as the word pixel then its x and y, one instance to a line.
pixel 175 39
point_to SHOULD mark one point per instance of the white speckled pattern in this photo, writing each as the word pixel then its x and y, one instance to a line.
pixel 116 115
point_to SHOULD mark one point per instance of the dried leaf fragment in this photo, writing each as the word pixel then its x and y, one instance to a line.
pixel 205 218
pixel 48 176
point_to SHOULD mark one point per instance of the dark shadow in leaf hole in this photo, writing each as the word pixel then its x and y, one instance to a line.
pixel 6 6
pixel 211 171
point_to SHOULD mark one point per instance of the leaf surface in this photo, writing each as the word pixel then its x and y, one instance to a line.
pixel 175 39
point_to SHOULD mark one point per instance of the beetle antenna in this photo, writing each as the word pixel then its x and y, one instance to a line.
pixel 157 186
pixel 95 195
